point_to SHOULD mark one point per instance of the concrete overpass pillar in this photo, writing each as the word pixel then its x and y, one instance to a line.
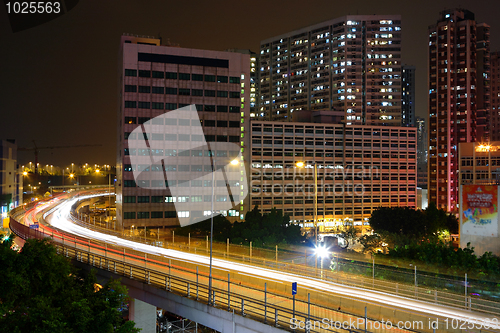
pixel 143 314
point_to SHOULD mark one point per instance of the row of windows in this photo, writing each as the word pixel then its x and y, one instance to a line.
pixel 181 137
pixel 338 189
pixel 173 214
pixel 175 152
pixel 182 76
pixel 146 215
pixel 301 130
pixel 179 183
pixel 338 154
pixel 291 201
pixel 173 106
pixel 181 199
pixel 169 167
pixel 321 142
pixel 328 178
pixel 480 161
pixel 185 122
pixel 182 91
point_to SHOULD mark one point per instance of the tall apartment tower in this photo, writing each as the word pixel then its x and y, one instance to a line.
pixel 454 98
pixel 495 96
pixel 155 80
pixel 408 96
pixel 350 64
pixel 483 82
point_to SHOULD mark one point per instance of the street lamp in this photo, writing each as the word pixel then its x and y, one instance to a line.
pixel 322 252
pixel 302 165
pixel 233 162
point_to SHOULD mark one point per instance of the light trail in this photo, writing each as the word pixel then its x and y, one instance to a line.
pixel 59 218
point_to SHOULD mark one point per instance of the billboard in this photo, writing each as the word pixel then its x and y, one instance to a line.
pixel 479 210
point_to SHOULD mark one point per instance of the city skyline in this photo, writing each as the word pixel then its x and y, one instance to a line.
pixel 60 77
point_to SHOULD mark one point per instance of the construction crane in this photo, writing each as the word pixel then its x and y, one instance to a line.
pixel 36 149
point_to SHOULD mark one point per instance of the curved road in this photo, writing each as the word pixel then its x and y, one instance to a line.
pixel 59 218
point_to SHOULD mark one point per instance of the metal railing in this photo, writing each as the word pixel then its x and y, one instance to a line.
pixel 273 305
pixel 255 257
pixel 259 258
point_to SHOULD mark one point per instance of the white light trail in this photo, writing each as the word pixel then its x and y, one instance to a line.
pixel 59 218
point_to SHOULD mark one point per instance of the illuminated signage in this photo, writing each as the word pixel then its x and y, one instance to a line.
pixel 485 148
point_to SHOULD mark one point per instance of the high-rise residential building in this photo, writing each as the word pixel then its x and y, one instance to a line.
pixel 408 96
pixel 155 80
pixel 254 80
pixel 350 64
pixel 359 168
pixel 483 82
pixel 495 96
pixel 11 194
pixel 422 148
pixel 454 96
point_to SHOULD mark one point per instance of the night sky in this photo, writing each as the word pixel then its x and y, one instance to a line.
pixel 59 80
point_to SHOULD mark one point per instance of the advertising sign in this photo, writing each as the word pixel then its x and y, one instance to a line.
pixel 479 210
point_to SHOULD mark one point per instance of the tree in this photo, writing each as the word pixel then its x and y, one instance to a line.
pixel 402 225
pixel 371 242
pixel 222 228
pixel 40 291
pixel 348 234
pixel 268 229
pixel 399 220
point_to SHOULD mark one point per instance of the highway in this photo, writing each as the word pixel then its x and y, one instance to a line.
pixel 59 219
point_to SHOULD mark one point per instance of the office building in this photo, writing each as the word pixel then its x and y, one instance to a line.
pixel 480 163
pixel 155 80
pixel 350 64
pixel 11 192
pixel 408 96
pixel 359 168
pixel 454 99
pixel 495 96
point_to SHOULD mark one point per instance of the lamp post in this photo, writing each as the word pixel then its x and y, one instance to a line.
pixel 233 162
pixel 322 252
pixel 302 165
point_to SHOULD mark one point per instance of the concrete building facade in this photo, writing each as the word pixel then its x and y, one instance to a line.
pixel 422 148
pixel 454 99
pixel 350 64
pixel 359 168
pixel 155 80
pixel 495 96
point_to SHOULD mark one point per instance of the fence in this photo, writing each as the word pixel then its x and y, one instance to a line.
pixel 263 300
pixel 454 293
